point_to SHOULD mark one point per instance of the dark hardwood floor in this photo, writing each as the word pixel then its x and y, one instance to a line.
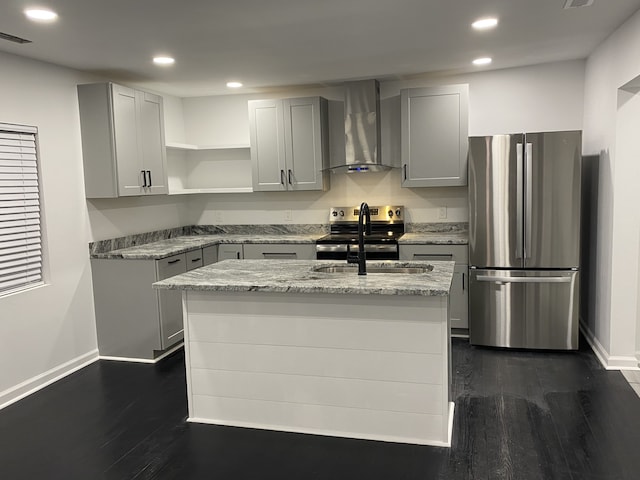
pixel 519 415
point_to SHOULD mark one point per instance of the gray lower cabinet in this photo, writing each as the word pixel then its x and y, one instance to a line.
pixel 434 130
pixel 280 251
pixel 459 295
pixel 230 251
pixel 209 254
pixel 134 320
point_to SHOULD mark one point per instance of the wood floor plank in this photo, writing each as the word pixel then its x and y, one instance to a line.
pixel 519 415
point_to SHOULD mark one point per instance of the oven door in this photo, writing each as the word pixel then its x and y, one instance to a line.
pixel 340 252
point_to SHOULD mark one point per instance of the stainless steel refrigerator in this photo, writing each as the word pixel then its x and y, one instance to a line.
pixel 524 239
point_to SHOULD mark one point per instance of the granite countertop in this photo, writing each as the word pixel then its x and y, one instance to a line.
pixel 177 245
pixel 298 276
pixel 435 238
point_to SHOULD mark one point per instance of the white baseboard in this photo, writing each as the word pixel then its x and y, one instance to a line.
pixel 609 362
pixel 316 431
pixel 143 360
pixel 38 382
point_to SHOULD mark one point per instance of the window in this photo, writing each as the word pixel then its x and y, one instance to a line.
pixel 20 243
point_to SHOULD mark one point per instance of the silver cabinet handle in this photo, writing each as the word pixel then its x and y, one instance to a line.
pixel 519 205
pixel 489 278
pixel 529 200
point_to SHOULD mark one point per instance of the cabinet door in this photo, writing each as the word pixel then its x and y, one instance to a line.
pixel 305 146
pixel 230 251
pixel 210 254
pixel 284 251
pixel 266 134
pixel 170 301
pixel 125 126
pixel 459 297
pixel 434 130
pixel 459 293
pixel 151 142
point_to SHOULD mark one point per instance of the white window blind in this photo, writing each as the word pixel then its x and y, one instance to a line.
pixel 20 239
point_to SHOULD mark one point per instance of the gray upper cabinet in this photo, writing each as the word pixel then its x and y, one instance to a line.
pixel 289 144
pixel 122 141
pixel 434 130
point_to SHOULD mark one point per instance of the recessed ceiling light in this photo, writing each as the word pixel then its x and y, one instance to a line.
pixel 163 60
pixel 485 23
pixel 482 61
pixel 234 84
pixel 40 14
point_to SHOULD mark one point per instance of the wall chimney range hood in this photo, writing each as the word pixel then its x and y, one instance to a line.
pixel 362 128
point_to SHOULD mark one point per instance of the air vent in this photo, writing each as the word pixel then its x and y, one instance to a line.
pixel 13 38
pixel 577 3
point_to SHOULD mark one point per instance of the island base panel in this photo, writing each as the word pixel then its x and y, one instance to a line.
pixel 359 366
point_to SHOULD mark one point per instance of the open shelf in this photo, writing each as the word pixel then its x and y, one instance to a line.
pixel 191 191
pixel 188 146
pixel 209 170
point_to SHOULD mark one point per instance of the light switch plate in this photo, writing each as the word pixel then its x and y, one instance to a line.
pixel 288 216
pixel 217 217
pixel 442 213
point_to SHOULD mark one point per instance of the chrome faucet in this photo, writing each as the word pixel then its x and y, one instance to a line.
pixel 361 258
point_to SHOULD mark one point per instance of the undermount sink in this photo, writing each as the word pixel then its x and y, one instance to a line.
pixel 372 269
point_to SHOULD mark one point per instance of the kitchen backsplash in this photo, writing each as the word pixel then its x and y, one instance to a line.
pixel 436 227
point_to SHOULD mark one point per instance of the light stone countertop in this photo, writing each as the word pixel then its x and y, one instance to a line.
pixel 298 276
pixel 435 238
pixel 174 246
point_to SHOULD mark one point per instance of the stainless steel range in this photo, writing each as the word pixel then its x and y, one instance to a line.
pixel 387 225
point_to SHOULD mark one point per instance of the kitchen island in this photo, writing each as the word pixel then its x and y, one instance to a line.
pixel 285 346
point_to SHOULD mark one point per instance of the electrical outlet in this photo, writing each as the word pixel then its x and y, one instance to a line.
pixel 442 213
pixel 288 216
pixel 217 217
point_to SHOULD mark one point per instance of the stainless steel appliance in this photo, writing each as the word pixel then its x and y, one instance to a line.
pixel 387 225
pixel 524 226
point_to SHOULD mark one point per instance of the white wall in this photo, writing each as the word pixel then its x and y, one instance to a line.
pixel 536 98
pixel 50 330
pixel 608 114
pixel 48 326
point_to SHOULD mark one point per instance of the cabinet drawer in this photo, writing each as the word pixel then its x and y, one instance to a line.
pixel 457 253
pixel 170 266
pixel 194 259
pixel 277 251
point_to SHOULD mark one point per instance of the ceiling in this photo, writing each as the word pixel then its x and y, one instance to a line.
pixel 269 44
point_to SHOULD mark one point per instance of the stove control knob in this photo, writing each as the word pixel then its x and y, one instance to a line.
pixel 342 213
pixel 334 213
pixel 398 212
pixel 390 213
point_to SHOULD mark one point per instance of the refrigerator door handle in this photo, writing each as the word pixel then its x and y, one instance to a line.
pixel 497 279
pixel 519 185
pixel 529 200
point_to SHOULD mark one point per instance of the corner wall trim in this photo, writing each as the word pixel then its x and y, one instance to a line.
pixel 38 382
pixel 609 362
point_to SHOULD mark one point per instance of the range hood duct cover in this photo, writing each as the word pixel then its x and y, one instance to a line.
pixel 362 128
